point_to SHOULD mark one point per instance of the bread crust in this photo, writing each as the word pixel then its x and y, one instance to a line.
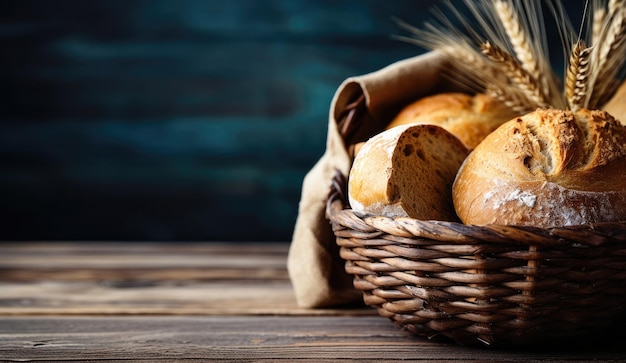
pixel 547 168
pixel 470 118
pixel 407 171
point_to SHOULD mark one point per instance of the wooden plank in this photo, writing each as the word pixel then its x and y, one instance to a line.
pixel 116 248
pixel 154 312
pixel 149 278
pixel 243 297
pixel 142 261
pixel 270 338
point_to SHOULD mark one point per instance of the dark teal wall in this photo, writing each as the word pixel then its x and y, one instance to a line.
pixel 174 119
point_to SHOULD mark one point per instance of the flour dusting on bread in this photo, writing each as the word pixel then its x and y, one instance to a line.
pixel 547 168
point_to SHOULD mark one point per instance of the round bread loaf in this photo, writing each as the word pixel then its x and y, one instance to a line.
pixel 407 172
pixel 545 169
pixel 470 118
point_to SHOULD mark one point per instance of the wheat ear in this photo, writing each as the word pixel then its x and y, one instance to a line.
pixel 615 6
pixel 473 70
pixel 512 98
pixel 518 37
pixel 516 73
pixel 473 67
pixel 522 27
pixel 609 55
pixel 597 22
pixel 577 76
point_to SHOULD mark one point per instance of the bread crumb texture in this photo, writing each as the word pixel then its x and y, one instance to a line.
pixel 407 171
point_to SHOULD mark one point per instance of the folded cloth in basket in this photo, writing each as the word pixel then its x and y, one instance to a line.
pixel 315 268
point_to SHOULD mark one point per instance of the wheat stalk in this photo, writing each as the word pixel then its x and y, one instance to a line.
pixel 597 23
pixel 609 55
pixel 509 59
pixel 514 99
pixel 473 70
pixel 614 32
pixel 522 25
pixel 615 6
pixel 518 37
pixel 516 73
pixel 577 76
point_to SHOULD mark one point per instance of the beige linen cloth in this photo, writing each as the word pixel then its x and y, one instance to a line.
pixel 315 268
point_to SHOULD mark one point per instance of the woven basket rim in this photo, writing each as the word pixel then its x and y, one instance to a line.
pixel 592 234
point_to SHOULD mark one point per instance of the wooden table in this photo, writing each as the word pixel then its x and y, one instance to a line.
pixel 204 302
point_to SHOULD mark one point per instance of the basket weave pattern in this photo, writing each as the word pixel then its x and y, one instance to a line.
pixel 489 284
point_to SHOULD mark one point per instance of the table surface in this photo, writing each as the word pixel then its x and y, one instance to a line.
pixel 204 302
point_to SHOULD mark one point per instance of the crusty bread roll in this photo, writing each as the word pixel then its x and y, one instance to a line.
pixel 407 172
pixel 470 118
pixel 547 168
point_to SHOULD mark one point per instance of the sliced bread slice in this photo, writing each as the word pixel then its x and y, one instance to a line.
pixel 407 171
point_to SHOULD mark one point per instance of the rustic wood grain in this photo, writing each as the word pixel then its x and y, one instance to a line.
pixel 155 302
pixel 142 261
pixel 156 297
pixel 149 278
pixel 272 338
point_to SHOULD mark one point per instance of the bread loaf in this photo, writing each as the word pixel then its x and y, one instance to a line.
pixel 470 118
pixel 406 171
pixel 547 168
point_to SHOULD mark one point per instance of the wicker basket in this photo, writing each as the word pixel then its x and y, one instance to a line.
pixel 493 284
